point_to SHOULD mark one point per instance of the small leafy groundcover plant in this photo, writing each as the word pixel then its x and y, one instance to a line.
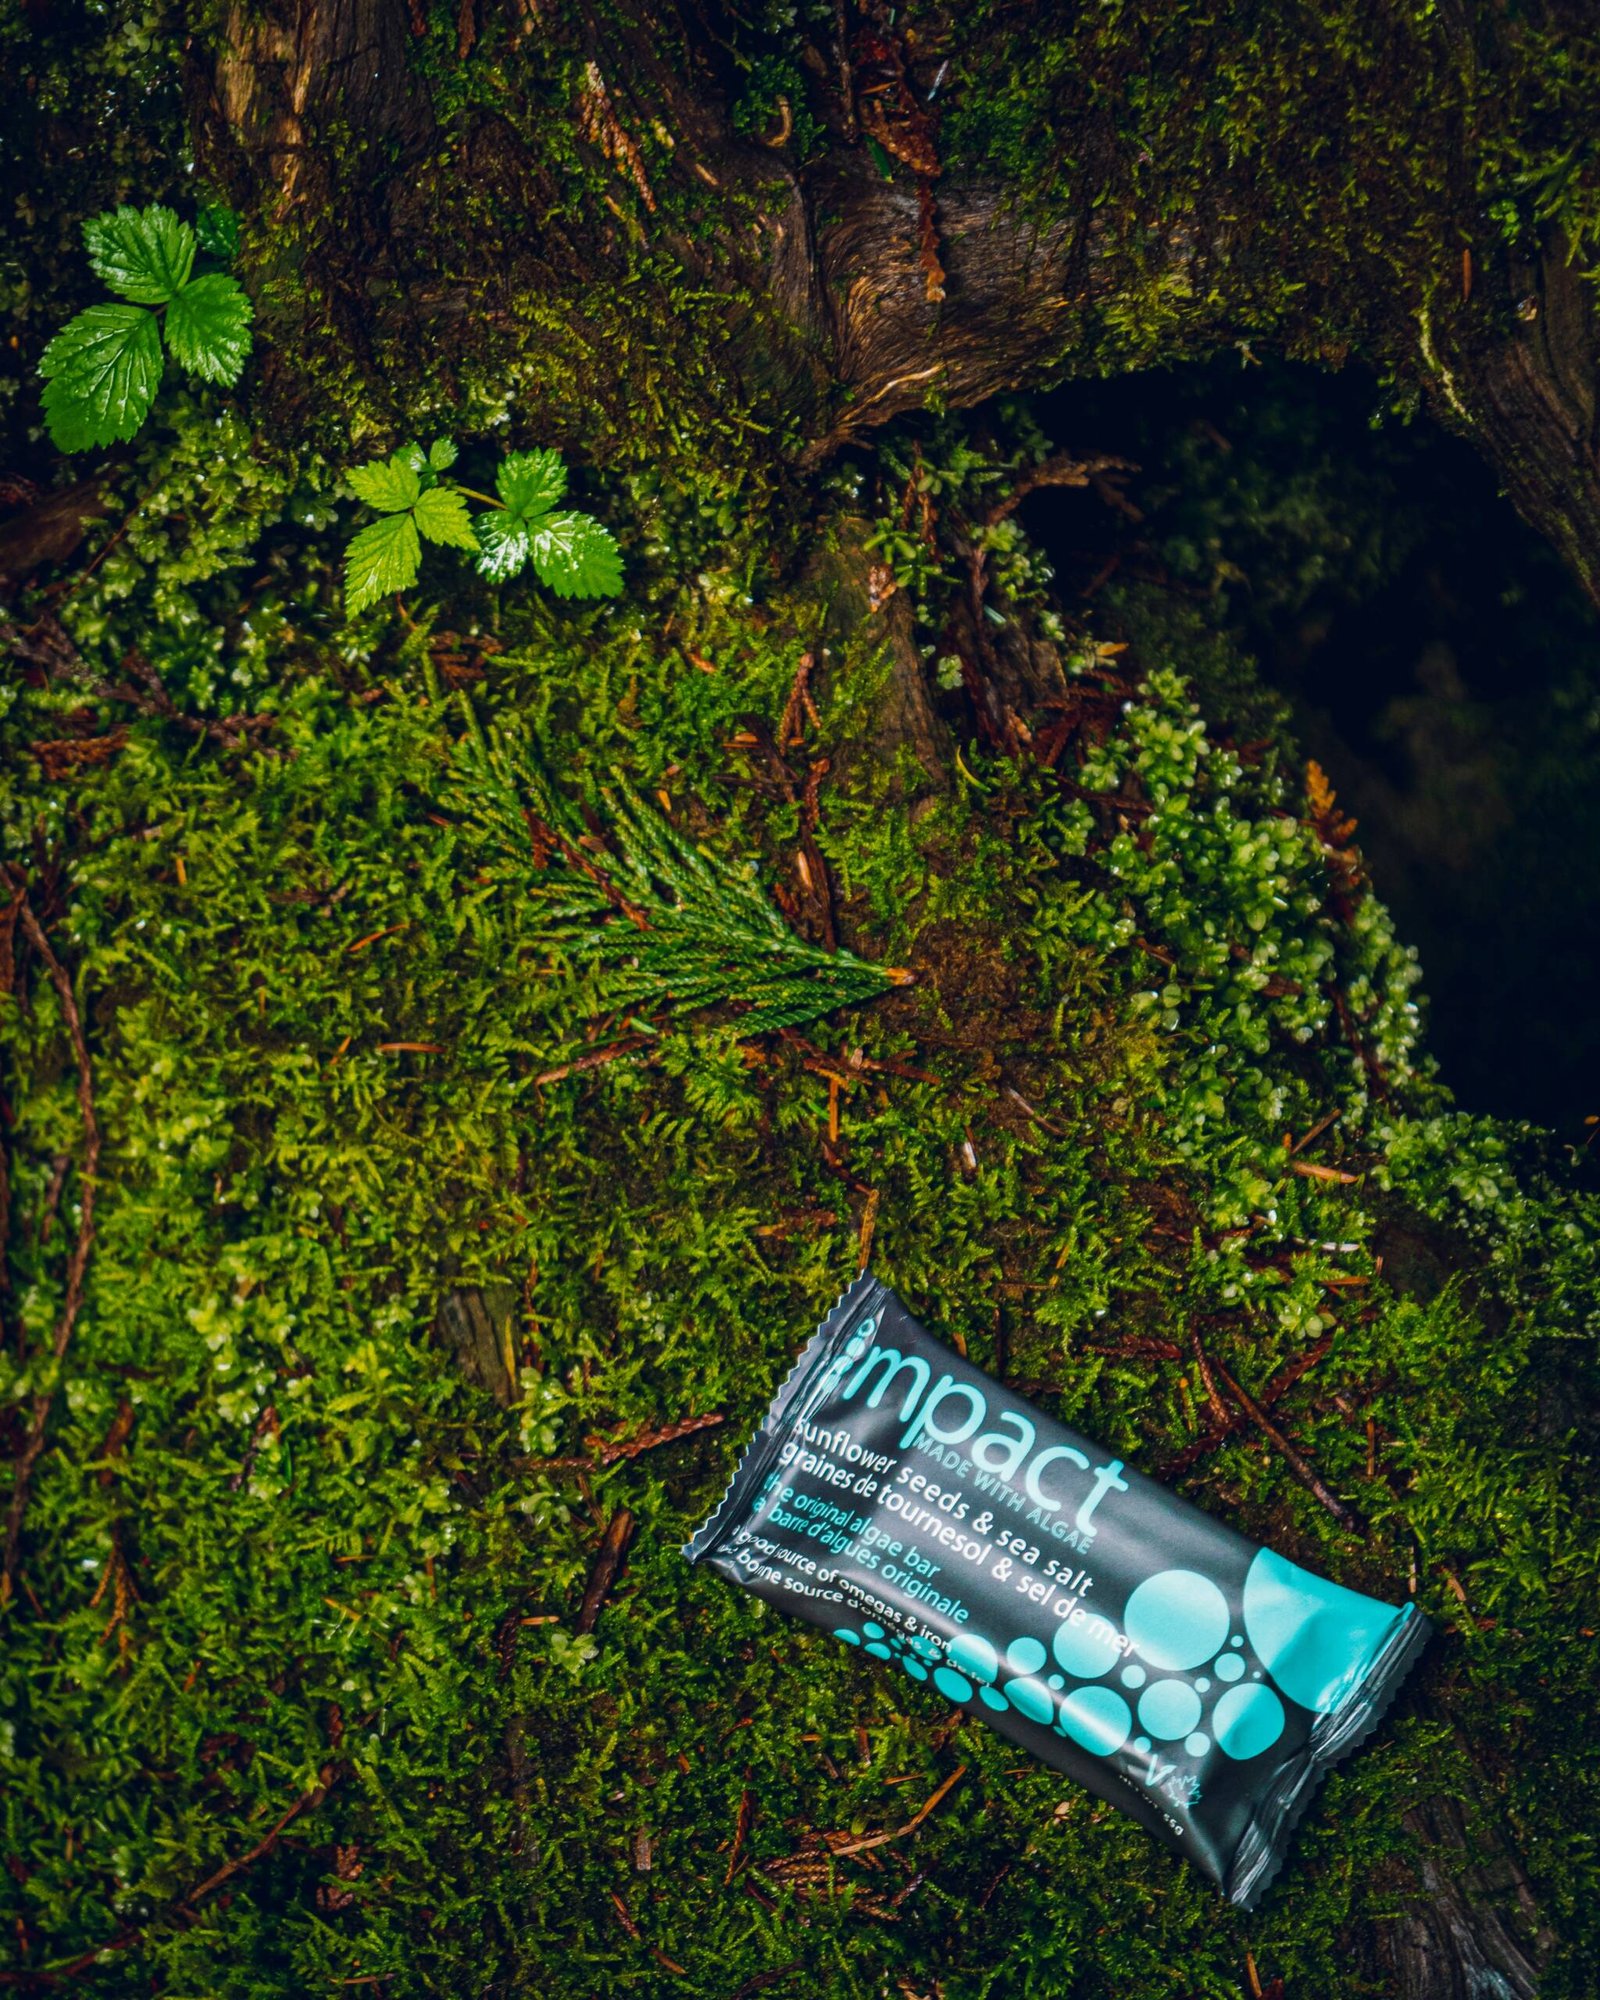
pixel 570 551
pixel 103 368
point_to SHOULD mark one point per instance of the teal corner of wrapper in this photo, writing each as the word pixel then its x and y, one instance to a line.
pixel 1370 1692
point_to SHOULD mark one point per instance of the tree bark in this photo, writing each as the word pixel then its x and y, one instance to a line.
pixel 1530 403
pixel 1474 1931
pixel 304 107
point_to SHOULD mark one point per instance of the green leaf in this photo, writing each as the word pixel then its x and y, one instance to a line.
pixel 881 160
pixel 442 454
pixel 217 228
pixel 531 482
pixel 382 558
pixel 441 514
pixel 391 485
pixel 208 328
pixel 503 545
pixel 103 369
pixel 145 254
pixel 413 455
pixel 575 555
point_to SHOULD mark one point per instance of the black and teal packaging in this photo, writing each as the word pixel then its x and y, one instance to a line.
pixel 916 1508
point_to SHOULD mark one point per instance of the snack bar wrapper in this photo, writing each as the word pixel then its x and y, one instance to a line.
pixel 918 1509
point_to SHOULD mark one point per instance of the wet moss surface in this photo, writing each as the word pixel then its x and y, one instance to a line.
pixel 294 1688
pixel 283 1555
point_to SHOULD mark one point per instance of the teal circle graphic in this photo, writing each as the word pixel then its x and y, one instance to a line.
pixel 990 1699
pixel 1236 1640
pixel 1097 1719
pixel 878 1651
pixel 850 1638
pixel 1030 1698
pixel 1169 1709
pixel 1089 1649
pixel 1132 1677
pixel 924 1648
pixel 1197 1745
pixel 1229 1668
pixel 974 1655
pixel 1313 1637
pixel 1025 1656
pixel 1055 1681
pixel 872 1631
pixel 952 1684
pixel 914 1668
pixel 1141 1743
pixel 1177 1619
pixel 1247 1720
pixel 1202 1685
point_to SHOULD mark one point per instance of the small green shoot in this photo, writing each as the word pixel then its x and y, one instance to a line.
pixel 104 367
pixel 570 552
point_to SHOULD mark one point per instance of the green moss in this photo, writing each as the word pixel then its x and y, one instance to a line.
pixel 1146 957
pixel 1324 200
pixel 317 1030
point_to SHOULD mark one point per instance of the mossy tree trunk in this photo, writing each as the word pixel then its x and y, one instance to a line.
pixel 1413 202
pixel 671 239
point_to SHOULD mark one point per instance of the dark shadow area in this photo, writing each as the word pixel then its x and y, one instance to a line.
pixel 1442 668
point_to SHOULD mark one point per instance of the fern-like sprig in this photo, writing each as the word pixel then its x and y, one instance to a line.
pixel 663 928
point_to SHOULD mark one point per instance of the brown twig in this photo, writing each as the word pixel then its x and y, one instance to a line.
pixel 231 731
pixel 847 81
pixel 543 838
pixel 1317 1131
pixel 327 1778
pixel 1138 1347
pixel 821 884
pixel 1059 469
pixel 629 1045
pixel 1458 1591
pixel 1309 1170
pixel 268 1421
pixel 1029 1110
pixel 611 1449
pixel 1277 1388
pixel 78 1263
pixel 855 1066
pixel 607 1564
pixel 1219 1409
pixel 838 1847
pixel 869 1224
pixel 741 1829
pixel 372 937
pixel 1298 1464
pixel 791 729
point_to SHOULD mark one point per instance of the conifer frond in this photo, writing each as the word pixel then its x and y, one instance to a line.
pixel 664 928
